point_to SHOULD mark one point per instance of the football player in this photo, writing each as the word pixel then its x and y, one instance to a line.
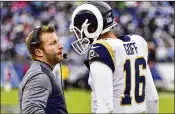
pixel 120 78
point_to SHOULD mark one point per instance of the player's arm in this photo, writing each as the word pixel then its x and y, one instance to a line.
pixel 151 95
pixel 152 99
pixel 102 67
pixel 102 76
pixel 35 94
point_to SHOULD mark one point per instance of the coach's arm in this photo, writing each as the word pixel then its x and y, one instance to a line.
pixel 35 94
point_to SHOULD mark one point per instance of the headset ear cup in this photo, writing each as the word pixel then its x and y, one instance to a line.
pixel 35 39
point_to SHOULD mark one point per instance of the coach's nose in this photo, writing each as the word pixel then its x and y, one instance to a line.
pixel 60 46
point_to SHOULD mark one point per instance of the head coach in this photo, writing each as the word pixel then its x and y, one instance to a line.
pixel 39 90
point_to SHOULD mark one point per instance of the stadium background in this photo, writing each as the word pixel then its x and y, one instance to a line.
pixel 152 20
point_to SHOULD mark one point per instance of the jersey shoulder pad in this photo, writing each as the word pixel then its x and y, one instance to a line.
pixel 101 51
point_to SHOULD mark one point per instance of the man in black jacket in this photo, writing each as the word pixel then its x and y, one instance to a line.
pixel 39 90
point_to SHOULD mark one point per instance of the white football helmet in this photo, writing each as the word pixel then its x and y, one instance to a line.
pixel 89 20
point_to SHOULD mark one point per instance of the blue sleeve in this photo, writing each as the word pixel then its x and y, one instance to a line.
pixel 101 51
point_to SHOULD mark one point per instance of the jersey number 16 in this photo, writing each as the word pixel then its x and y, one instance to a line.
pixel 139 93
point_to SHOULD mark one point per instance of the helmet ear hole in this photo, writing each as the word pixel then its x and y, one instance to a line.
pixel 91 29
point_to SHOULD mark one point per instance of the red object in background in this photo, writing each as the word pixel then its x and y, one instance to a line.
pixel 7 74
pixel 25 67
pixel 116 19
pixel 150 64
pixel 18 5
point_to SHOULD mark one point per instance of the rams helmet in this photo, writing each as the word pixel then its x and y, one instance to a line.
pixel 89 21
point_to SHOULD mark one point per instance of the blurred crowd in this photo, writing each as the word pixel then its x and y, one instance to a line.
pixel 152 20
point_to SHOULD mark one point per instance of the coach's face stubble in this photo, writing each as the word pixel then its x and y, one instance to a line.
pixel 52 48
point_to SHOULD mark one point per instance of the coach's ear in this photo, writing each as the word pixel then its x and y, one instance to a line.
pixel 39 52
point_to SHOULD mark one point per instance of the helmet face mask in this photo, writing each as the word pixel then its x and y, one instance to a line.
pixel 82 44
pixel 88 24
